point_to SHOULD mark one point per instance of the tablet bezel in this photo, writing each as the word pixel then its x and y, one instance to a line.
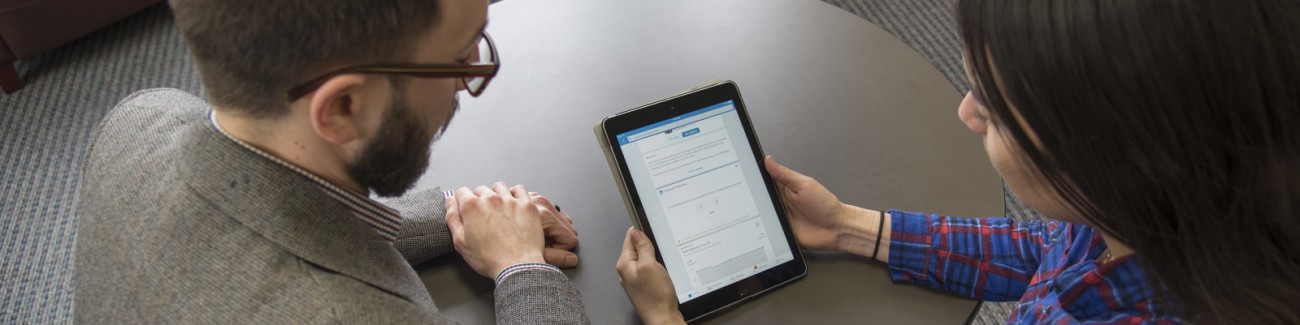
pixel 696 99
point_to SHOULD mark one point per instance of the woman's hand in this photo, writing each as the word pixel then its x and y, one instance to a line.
pixel 816 216
pixel 646 281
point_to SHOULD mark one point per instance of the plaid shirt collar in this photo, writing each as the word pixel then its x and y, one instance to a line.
pixel 383 219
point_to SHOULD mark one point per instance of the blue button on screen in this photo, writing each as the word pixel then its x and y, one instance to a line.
pixel 690 132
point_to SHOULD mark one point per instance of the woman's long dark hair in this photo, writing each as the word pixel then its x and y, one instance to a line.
pixel 1173 125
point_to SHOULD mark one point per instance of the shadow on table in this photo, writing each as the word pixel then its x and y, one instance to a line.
pixel 453 283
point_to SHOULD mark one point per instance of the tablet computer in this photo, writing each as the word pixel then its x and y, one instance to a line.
pixel 690 170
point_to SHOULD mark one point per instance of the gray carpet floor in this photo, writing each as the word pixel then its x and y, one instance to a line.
pixel 44 129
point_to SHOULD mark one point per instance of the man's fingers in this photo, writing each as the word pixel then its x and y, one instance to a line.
pixel 482 191
pixel 560 258
pixel 453 215
pixel 544 203
pixel 565 217
pixel 500 189
pixel 558 232
pixel 519 192
pixel 568 223
pixel 564 221
pixel 455 222
pixel 464 193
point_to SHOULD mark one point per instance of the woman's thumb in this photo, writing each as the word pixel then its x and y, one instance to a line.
pixel 780 173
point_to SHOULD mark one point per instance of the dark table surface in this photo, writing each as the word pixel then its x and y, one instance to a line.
pixel 830 95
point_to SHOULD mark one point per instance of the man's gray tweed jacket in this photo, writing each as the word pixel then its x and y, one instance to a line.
pixel 181 225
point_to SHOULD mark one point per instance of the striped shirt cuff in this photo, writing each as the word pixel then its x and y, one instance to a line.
pixel 511 270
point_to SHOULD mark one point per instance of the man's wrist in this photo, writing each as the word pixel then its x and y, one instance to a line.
pixel 518 258
pixel 522 267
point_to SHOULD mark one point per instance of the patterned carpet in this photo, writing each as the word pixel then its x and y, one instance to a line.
pixel 45 127
pixel 43 133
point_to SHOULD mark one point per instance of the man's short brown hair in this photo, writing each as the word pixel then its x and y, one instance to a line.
pixel 250 52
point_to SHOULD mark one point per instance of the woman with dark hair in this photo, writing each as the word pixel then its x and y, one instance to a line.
pixel 1162 137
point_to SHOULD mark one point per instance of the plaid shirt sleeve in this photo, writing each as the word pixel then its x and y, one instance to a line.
pixel 987 258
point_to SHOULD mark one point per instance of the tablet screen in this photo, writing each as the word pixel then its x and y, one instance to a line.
pixel 705 198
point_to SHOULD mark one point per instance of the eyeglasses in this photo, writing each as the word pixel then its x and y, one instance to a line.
pixel 475 75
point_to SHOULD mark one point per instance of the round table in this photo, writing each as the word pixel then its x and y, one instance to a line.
pixel 830 95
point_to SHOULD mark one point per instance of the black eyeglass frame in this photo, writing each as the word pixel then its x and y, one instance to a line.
pixel 465 71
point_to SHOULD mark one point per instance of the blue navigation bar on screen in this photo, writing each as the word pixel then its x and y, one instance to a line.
pixel 642 133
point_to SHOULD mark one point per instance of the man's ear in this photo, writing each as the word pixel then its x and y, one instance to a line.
pixel 336 112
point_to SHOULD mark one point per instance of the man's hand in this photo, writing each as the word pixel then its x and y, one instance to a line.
pixel 496 228
pixel 561 237
pixel 816 215
pixel 646 281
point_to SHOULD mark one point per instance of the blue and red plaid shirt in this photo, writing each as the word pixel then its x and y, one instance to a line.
pixel 1050 267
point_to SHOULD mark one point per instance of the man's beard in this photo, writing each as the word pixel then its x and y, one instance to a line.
pixel 391 163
